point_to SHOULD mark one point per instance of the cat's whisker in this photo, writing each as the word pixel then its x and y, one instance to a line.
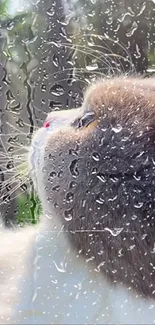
pixel 18 171
pixel 12 134
pixel 10 180
pixel 38 109
pixel 11 170
pixel 13 153
pixel 102 59
pixel 26 148
pixel 14 127
pixel 76 79
pixel 19 132
pixel 29 125
pixel 15 188
pixel 23 191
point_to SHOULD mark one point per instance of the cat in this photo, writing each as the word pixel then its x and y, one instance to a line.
pixel 91 258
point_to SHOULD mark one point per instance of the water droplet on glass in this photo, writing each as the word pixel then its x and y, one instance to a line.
pixel 55 60
pixel 100 199
pixel 72 185
pixel 91 67
pixel 113 198
pixel 101 177
pixel 43 87
pixel 117 128
pixel 57 90
pixel 96 156
pixel 114 232
pixel 69 197
pixel 56 188
pixel 134 217
pixel 68 215
pixel 73 168
pixel 60 173
pixel 10 165
pixel 53 174
pixel 138 205
pixel 98 269
pixel 51 12
pixel 61 267
pixel 132 29
pixel 137 178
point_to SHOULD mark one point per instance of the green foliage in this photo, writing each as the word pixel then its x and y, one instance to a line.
pixel 29 209
pixel 3 9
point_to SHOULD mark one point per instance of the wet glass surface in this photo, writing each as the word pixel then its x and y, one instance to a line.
pixel 49 52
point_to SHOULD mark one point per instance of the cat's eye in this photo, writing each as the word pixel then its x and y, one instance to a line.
pixel 84 120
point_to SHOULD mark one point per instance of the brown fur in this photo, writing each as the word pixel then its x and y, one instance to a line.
pixel 98 184
pixel 98 179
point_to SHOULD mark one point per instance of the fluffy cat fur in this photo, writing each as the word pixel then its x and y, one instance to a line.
pixel 53 273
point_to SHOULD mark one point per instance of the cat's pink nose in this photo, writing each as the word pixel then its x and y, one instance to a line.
pixel 46 124
pixel 52 120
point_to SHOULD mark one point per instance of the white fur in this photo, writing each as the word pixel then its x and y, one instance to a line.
pixel 44 282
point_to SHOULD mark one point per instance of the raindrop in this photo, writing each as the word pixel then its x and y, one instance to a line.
pixel 72 185
pixel 98 269
pixel 113 198
pixel 60 173
pixel 69 197
pixel 20 123
pixel 57 90
pixel 117 128
pixel 49 200
pixel 55 60
pixel 68 215
pixel 114 232
pixel 96 156
pixel 134 217
pixel 100 252
pixel 10 165
pixel 141 154
pixel 137 178
pixel 73 168
pixel 94 171
pixel 51 12
pixel 101 177
pixel 132 29
pixel 138 205
pixel 114 179
pixel 91 67
pixel 43 87
pixel 60 268
pixel 110 108
pixel 55 104
pixel 56 188
pixel 100 199
pixel 11 149
pixel 53 174
pixel 23 187
pixel 142 9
